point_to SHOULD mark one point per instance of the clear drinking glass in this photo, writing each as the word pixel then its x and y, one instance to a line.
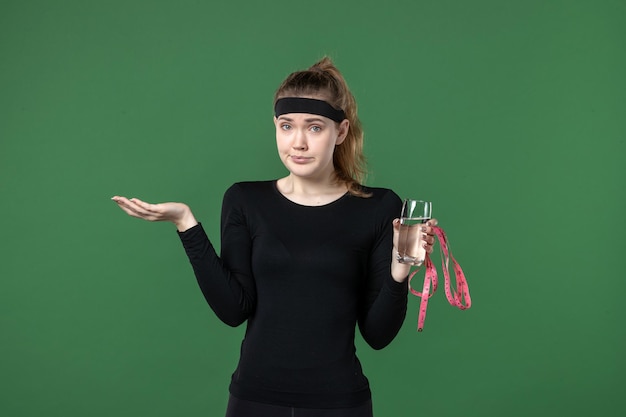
pixel 411 240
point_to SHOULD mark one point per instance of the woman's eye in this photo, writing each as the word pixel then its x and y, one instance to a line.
pixel 316 129
pixel 285 127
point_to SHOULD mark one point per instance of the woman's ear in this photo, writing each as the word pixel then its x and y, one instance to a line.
pixel 344 126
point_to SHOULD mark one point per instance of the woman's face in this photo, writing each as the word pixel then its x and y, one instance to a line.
pixel 306 143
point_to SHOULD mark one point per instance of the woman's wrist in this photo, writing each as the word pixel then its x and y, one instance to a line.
pixel 399 272
pixel 186 220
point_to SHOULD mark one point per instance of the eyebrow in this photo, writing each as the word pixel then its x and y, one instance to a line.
pixel 309 120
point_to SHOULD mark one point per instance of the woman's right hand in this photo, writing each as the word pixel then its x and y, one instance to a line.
pixel 178 213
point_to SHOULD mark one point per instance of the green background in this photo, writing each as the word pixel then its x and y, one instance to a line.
pixel 509 115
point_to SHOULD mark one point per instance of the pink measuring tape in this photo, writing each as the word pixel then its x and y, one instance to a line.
pixel 455 298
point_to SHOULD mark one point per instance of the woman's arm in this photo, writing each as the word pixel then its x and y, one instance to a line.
pixel 228 287
pixel 226 281
pixel 384 301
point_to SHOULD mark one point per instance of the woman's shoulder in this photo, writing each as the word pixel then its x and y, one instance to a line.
pixel 381 194
pixel 383 202
pixel 382 205
pixel 254 185
pixel 247 188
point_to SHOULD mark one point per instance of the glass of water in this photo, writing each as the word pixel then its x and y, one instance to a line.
pixel 411 240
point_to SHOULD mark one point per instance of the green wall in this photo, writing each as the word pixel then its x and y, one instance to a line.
pixel 508 115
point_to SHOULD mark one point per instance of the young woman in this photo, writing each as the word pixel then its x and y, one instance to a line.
pixel 304 260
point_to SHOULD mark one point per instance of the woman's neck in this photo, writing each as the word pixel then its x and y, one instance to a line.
pixel 311 192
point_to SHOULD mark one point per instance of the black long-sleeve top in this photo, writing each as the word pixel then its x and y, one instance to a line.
pixel 302 277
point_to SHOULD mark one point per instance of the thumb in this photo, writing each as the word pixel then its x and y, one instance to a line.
pixel 396 232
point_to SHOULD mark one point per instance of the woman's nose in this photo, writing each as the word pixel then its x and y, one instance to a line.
pixel 299 141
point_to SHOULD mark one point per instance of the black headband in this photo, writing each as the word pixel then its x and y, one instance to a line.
pixel 308 105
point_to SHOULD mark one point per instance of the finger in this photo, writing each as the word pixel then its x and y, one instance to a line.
pixel 432 222
pixel 122 200
pixel 128 210
pixel 396 228
pixel 429 228
pixel 396 232
pixel 155 210
pixel 140 206
pixel 133 209
pixel 126 203
pixel 144 205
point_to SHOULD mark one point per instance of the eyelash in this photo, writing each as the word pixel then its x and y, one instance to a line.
pixel 315 129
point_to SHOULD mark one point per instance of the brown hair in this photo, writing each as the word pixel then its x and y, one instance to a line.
pixel 324 79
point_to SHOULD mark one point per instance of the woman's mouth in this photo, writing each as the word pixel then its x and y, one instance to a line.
pixel 300 159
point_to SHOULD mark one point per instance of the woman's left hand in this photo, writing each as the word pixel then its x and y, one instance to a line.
pixel 401 271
